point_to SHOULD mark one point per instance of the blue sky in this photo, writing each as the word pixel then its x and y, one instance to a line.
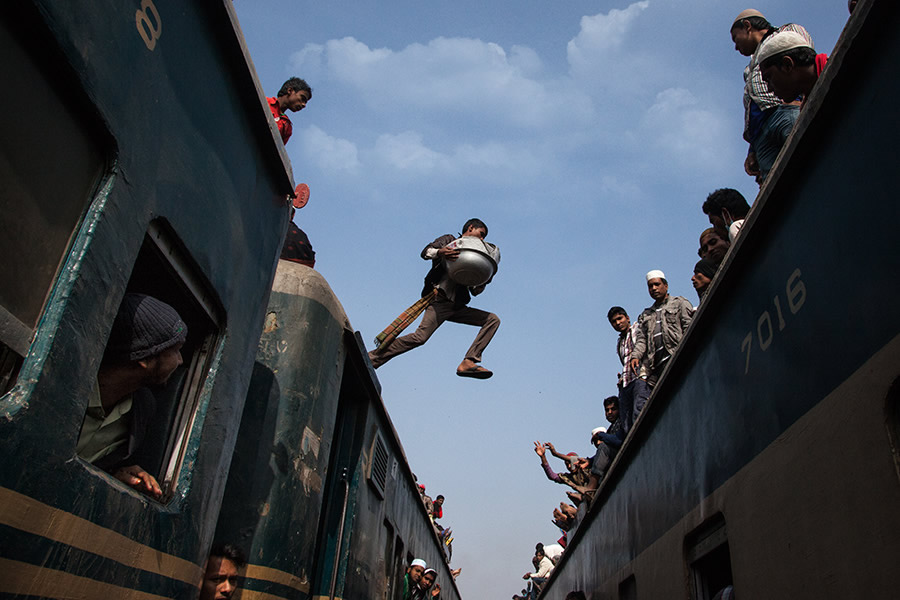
pixel 585 134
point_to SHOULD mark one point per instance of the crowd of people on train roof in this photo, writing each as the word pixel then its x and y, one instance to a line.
pixel 782 71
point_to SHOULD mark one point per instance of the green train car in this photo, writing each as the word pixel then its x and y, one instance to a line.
pixel 768 456
pixel 115 177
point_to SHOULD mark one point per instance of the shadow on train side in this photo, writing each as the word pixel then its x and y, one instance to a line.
pixel 319 491
pixel 115 179
pixel 762 459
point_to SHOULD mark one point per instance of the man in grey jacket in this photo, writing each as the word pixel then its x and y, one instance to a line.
pixel 660 327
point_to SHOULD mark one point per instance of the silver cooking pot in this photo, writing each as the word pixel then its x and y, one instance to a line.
pixel 477 261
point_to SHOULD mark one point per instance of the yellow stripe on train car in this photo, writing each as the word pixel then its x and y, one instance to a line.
pixel 31 516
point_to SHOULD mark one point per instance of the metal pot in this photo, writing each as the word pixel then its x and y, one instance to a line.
pixel 477 261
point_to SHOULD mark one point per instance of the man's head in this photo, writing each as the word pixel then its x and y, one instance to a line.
pixel 657 285
pixel 787 64
pixel 220 579
pixel 714 245
pixel 416 570
pixel 146 338
pixel 539 552
pixel 725 206
pixel 428 578
pixel 611 406
pixel 704 271
pixel 294 94
pixel 618 318
pixel 439 500
pixel 476 228
pixel 748 30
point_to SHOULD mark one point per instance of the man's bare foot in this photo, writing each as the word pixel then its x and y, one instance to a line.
pixel 469 368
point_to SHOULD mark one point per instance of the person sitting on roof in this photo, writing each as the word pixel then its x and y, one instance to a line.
pixel 790 65
pixel 704 271
pixel 293 96
pixel 726 208
pixel 541 573
pixel 577 477
pixel 714 245
pixel 144 349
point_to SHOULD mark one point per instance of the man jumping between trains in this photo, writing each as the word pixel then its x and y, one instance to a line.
pixel 449 303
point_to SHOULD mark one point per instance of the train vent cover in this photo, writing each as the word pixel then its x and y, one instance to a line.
pixel 378 467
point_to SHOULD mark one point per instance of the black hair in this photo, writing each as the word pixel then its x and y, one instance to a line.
pixel 539 547
pixel 295 84
pixel 615 310
pixel 611 400
pixel 757 23
pixel 729 199
pixel 440 497
pixel 231 552
pixel 802 57
pixel 477 224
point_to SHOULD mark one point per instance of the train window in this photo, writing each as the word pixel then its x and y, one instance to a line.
pixel 389 573
pixel 163 271
pixel 628 589
pixel 892 408
pixel 708 559
pixel 53 154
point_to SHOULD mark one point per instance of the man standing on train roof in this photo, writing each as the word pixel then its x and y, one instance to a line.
pixel 413 577
pixel 292 96
pixel 660 327
pixel 449 304
pixel 633 389
pixel 790 66
pixel 767 120
pixel 144 349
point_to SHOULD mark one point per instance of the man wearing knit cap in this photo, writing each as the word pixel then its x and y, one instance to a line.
pixel 767 121
pixel 704 271
pixel 144 348
pixel 789 65
pixel 412 578
pixel 661 326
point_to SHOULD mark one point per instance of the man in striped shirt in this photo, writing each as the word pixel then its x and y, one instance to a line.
pixel 767 120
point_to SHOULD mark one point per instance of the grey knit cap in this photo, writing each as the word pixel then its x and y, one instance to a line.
pixel 143 328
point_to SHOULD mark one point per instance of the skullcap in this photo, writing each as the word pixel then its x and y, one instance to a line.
pixel 780 42
pixel 655 274
pixel 746 14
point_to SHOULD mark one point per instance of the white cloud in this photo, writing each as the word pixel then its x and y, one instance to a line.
pixel 601 35
pixel 686 131
pixel 308 61
pixel 406 152
pixel 327 152
pixel 463 76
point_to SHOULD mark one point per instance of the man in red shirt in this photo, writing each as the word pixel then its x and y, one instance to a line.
pixel 292 96
pixel 789 65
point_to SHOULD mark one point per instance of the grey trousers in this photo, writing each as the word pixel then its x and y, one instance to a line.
pixel 437 312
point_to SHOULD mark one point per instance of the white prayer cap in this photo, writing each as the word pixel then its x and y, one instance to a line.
pixel 746 14
pixel 655 274
pixel 780 42
pixel 418 563
pixel 597 430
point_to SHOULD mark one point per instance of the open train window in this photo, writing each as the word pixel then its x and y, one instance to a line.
pixel 628 589
pixel 163 270
pixel 53 154
pixel 892 408
pixel 708 559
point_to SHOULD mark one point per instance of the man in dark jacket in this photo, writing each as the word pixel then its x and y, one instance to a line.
pixel 144 348
pixel 449 304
